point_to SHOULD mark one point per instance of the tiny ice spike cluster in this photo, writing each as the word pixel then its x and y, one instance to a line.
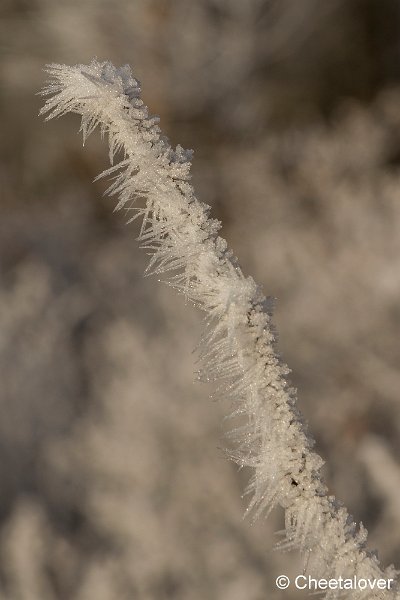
pixel 237 350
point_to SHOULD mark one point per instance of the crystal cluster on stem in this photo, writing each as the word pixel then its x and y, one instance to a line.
pixel 237 351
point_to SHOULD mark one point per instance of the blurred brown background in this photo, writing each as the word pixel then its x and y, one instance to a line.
pixel 113 483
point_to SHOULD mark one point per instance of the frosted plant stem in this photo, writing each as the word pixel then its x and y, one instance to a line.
pixel 237 351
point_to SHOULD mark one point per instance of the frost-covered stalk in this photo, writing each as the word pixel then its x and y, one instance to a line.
pixel 238 347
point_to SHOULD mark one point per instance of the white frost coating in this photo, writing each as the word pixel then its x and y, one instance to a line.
pixel 237 350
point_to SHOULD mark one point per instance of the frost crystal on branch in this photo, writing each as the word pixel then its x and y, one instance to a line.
pixel 237 350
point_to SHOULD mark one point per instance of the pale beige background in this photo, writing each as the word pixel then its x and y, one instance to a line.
pixel 113 481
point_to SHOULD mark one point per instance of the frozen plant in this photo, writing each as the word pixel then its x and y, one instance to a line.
pixel 237 350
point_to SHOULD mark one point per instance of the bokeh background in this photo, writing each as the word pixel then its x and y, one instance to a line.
pixel 113 482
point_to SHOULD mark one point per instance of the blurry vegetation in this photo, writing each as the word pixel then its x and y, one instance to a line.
pixel 112 482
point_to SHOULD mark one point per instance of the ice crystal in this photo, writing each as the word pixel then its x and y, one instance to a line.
pixel 237 350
